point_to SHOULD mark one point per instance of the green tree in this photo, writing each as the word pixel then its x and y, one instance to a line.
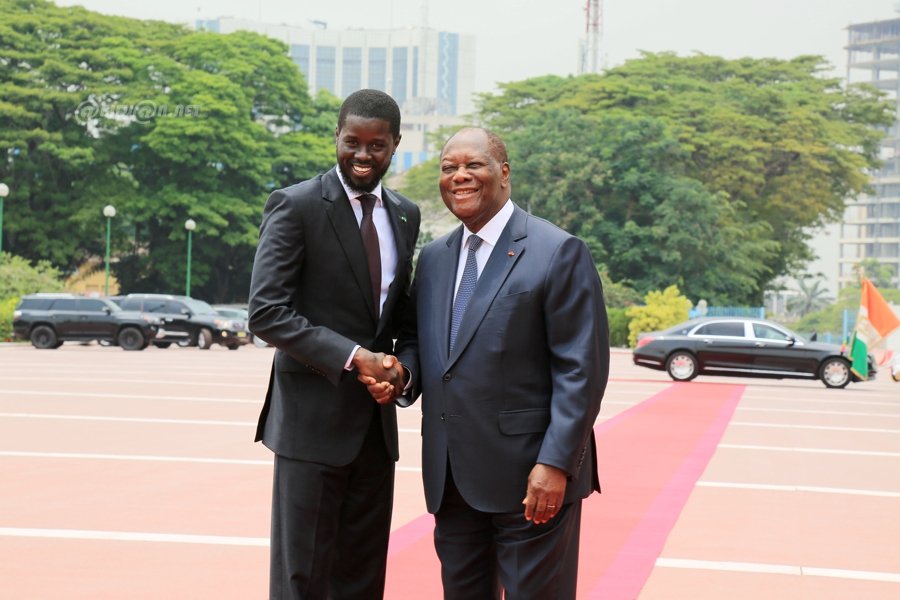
pixel 161 122
pixel 692 161
pixel 812 296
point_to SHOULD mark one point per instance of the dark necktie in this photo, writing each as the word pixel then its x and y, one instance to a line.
pixel 370 241
pixel 466 287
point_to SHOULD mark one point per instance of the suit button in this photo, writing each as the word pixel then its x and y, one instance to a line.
pixel 442 417
pixel 447 377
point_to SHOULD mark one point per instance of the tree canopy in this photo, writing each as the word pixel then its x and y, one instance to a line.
pixel 161 122
pixel 706 173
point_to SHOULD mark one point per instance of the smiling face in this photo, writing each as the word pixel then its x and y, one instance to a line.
pixel 474 180
pixel 364 148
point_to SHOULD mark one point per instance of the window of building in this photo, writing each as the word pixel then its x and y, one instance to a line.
pixel 448 67
pixel 325 68
pixel 351 79
pixel 300 56
pixel 398 76
pixel 378 68
pixel 415 73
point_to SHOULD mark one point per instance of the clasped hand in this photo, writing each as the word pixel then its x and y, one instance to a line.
pixel 381 373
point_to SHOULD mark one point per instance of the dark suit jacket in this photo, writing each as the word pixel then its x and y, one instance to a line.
pixel 524 382
pixel 311 298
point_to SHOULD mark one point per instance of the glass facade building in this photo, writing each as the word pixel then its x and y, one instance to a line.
pixel 431 74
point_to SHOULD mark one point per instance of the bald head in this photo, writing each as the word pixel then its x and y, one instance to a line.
pixel 474 179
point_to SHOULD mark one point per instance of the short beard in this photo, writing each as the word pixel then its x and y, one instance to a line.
pixel 366 189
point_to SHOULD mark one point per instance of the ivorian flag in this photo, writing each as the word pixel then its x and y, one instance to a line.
pixel 875 322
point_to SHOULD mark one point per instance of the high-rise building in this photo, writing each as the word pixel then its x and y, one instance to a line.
pixel 430 73
pixel 871 227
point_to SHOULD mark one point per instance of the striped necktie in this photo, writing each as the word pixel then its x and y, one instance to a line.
pixel 466 287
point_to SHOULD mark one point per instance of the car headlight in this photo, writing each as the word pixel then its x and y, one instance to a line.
pixel 224 324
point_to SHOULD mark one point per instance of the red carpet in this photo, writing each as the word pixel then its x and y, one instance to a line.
pixel 650 458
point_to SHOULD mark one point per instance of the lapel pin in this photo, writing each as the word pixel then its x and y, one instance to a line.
pixel 403 218
pixel 510 253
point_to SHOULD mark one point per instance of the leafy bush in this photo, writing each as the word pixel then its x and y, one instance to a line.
pixel 660 310
pixel 19 277
pixel 6 311
pixel 618 327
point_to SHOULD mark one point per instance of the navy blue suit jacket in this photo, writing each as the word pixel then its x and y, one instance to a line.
pixel 524 382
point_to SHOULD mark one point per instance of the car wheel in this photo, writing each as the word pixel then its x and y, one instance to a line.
pixel 131 338
pixel 162 344
pixel 233 346
pixel 204 339
pixel 835 373
pixel 682 366
pixel 44 338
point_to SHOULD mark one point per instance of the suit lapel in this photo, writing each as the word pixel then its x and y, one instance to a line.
pixel 343 220
pixel 503 258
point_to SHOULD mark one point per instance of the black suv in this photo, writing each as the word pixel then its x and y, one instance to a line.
pixel 186 321
pixel 48 320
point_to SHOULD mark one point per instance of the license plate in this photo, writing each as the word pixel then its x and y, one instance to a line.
pixel 242 334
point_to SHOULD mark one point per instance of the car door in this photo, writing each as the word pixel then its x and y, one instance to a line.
pixel 96 320
pixel 723 346
pixel 778 351
pixel 65 318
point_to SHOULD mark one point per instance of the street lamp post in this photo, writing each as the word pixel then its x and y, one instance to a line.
pixel 190 225
pixel 109 211
pixel 4 192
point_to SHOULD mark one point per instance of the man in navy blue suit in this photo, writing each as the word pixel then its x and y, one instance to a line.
pixel 510 351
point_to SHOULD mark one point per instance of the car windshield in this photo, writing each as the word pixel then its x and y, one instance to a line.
pixel 113 307
pixel 199 307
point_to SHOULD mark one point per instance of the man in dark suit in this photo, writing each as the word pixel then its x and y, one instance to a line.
pixel 511 354
pixel 330 282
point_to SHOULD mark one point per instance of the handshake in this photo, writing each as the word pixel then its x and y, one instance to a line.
pixel 381 373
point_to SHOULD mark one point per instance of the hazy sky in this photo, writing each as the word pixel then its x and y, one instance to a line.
pixel 517 39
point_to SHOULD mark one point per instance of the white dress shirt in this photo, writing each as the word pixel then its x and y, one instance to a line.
pixel 489 235
pixel 386 244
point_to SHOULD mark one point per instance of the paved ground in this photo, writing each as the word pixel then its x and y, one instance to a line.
pixel 131 475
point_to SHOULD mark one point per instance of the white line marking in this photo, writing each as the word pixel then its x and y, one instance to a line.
pixel 135 457
pixel 151 458
pixel 748 567
pixel 809 450
pixel 155 382
pixel 815 427
pixel 126 419
pixel 797 488
pixel 822 412
pixel 133 536
pixel 94 395
pixel 819 401
pixel 711 565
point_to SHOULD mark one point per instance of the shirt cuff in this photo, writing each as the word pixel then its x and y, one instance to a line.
pixel 348 366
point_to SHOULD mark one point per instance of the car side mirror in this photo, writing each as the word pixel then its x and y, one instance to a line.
pixel 107 310
pixel 186 312
pixel 791 341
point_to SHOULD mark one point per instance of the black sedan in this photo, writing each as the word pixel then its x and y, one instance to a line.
pixel 742 347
